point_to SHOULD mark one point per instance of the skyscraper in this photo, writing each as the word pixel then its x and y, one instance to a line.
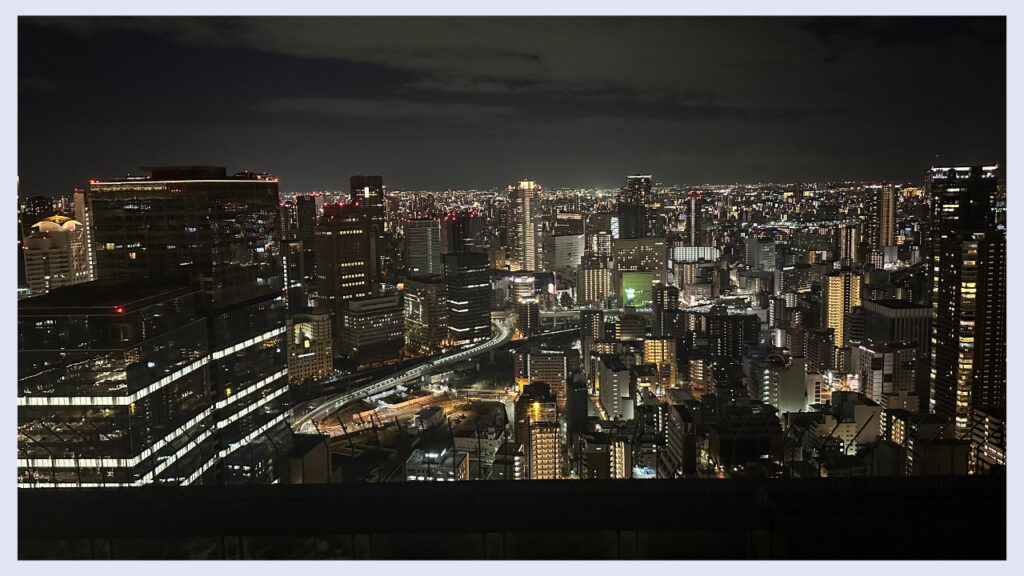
pixel 969 326
pixel 694 205
pixel 968 263
pixel 840 292
pixel 114 387
pixel 219 233
pixel 537 430
pixel 467 282
pixel 346 248
pixel 367 190
pixel 525 230
pixel 422 247
pixel 632 209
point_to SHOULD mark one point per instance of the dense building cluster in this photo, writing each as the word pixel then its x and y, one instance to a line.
pixel 172 326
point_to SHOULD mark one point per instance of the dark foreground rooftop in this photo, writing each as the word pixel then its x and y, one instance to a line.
pixel 828 518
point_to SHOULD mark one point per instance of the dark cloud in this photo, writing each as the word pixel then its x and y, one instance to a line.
pixel 451 102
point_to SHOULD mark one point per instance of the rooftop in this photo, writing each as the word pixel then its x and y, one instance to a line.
pixel 100 296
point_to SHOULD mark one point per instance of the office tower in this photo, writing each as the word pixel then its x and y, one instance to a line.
pixel 594 280
pixel 368 193
pixel 523 286
pixel 346 250
pixel 729 334
pixel 639 255
pixel 292 256
pixel 114 387
pixel 631 201
pixel 885 367
pixel 220 233
pixel 372 329
pixel 665 300
pixel 568 224
pixel 305 219
pixel 524 228
pixel 537 430
pixel 760 253
pixel 969 325
pixel 694 205
pixel 367 190
pixel 56 254
pixel 562 253
pixel 426 315
pixel 83 215
pixel 961 198
pixel 848 241
pixel 467 282
pixel 528 314
pixel 462 232
pixel 422 247
pixel 616 386
pixel 310 347
pixel 892 320
pixel 630 326
pixel 840 292
pixel 662 353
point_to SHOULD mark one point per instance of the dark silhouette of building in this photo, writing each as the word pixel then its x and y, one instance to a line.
pixel 632 200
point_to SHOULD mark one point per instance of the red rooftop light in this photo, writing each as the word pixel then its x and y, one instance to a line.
pixel 119 309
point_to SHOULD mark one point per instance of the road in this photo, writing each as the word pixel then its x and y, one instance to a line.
pixel 302 418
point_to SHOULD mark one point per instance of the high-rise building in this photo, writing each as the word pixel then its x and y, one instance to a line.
pixel 886 215
pixel 885 367
pixel 694 205
pixel 528 316
pixel 467 282
pixel 346 250
pixel 56 254
pixel 840 292
pixel 594 280
pixel 219 233
pixel 665 299
pixel 83 215
pixel 426 315
pixel 968 265
pixel 563 253
pixel 537 430
pixel 525 238
pixel 369 194
pixel 422 247
pixel 615 385
pixel 310 349
pixel 551 366
pixel 114 387
pixel 662 353
pixel 848 240
pixel 372 329
pixel 305 211
pixel 760 253
pixel 969 326
pixel 891 320
pixel 462 232
pixel 367 190
pixel 631 201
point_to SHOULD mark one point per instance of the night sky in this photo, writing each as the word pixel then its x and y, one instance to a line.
pixel 434 103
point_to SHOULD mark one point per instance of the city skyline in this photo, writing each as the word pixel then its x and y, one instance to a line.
pixel 445 102
pixel 437 288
